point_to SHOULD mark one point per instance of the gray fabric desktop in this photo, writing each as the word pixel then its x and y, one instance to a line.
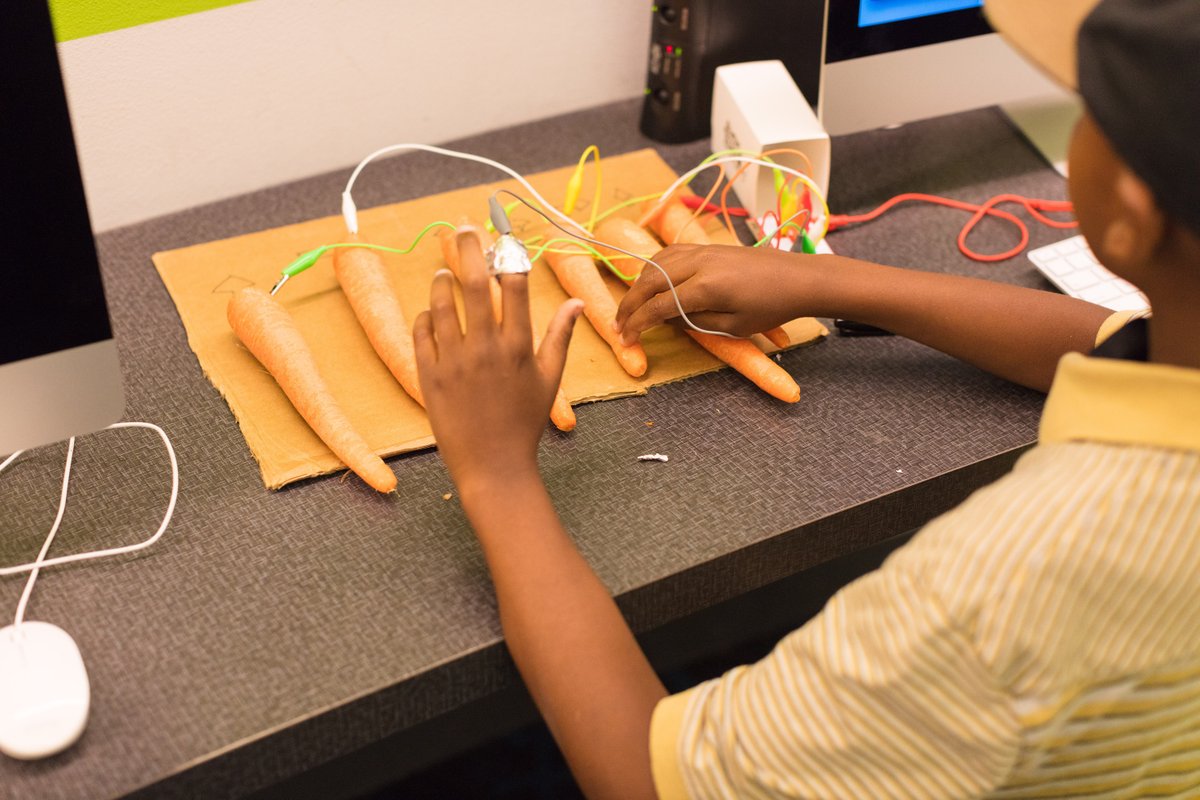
pixel 268 633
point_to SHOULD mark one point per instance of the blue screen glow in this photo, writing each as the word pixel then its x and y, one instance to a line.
pixel 877 12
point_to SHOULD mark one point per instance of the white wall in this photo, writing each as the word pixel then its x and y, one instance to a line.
pixel 190 110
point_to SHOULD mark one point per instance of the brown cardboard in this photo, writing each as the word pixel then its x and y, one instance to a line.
pixel 202 278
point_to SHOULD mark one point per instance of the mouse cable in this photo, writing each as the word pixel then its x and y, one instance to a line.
pixel 350 211
pixel 1035 206
pixel 670 284
pixel 34 567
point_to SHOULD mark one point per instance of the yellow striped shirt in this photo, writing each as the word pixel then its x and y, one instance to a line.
pixel 1042 640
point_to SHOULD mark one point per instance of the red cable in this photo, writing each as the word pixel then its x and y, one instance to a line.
pixel 1033 205
pixel 693 202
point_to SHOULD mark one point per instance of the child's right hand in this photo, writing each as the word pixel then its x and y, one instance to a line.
pixel 738 290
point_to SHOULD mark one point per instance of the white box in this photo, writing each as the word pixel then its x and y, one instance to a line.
pixel 758 107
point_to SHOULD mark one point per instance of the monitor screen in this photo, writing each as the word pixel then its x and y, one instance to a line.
pixel 52 298
pixel 889 62
pixel 859 28
pixel 877 12
pixel 59 374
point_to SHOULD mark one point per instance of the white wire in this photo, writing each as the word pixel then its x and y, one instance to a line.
pixel 350 211
pixel 687 176
pixel 35 566
pixel 62 507
pixel 670 284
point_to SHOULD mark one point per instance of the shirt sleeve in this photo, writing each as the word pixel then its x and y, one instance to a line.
pixel 1114 323
pixel 880 695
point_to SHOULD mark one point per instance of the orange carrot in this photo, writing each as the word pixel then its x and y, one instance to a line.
pixel 741 354
pixel 363 277
pixel 579 277
pixel 628 235
pixel 745 357
pixel 675 224
pixel 778 337
pixel 270 333
pixel 561 413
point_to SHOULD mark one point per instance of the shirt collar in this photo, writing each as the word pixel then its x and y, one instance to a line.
pixel 1123 402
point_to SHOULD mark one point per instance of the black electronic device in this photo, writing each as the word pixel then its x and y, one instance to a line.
pixel 689 39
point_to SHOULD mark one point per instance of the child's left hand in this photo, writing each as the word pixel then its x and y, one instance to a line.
pixel 487 392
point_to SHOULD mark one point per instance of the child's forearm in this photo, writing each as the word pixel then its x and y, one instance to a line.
pixel 578 657
pixel 1011 331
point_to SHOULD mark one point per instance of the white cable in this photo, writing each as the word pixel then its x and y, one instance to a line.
pixel 34 566
pixel 687 176
pixel 62 507
pixel 350 211
pixel 670 284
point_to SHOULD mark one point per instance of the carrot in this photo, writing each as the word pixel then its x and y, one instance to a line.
pixel 745 357
pixel 364 280
pixel 628 235
pixel 270 333
pixel 741 354
pixel 579 277
pixel 778 337
pixel 675 224
pixel 561 413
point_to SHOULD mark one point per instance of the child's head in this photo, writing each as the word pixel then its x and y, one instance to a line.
pixel 1135 156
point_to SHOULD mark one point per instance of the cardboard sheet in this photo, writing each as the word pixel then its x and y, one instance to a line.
pixel 202 278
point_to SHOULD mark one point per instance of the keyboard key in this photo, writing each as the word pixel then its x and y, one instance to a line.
pixel 1072 267
pixel 1082 260
pixel 1079 280
pixel 1101 293
pixel 1129 302
pixel 1057 266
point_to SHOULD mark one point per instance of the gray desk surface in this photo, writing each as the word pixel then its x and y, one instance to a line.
pixel 268 633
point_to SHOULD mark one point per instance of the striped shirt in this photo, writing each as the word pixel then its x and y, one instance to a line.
pixel 1041 640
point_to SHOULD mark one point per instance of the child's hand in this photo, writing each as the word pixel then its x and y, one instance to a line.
pixel 487 393
pixel 738 290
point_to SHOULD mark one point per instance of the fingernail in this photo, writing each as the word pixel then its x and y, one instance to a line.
pixel 443 271
pixel 616 328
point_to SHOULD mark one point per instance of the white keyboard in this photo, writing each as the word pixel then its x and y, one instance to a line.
pixel 1071 267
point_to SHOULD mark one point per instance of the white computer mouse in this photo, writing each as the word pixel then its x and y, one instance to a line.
pixel 44 690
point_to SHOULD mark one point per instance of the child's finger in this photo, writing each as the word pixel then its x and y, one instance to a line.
pixel 424 345
pixel 473 275
pixel 516 320
pixel 444 312
pixel 655 311
pixel 650 283
pixel 552 355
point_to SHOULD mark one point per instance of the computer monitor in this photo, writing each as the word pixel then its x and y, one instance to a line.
pixel 894 61
pixel 59 374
